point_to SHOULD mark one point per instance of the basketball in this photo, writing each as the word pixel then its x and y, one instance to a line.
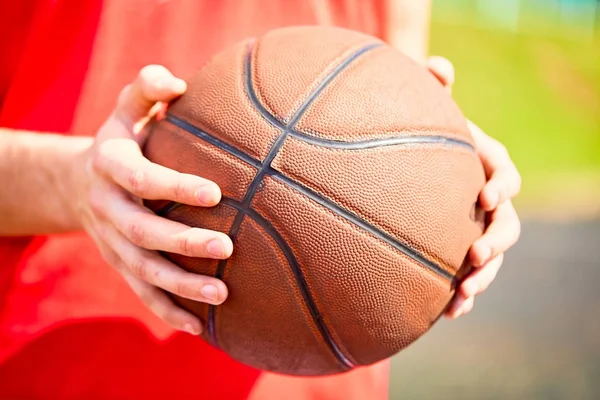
pixel 350 185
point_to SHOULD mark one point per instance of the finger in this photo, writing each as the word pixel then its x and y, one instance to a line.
pixel 150 267
pixel 479 279
pixel 161 305
pixel 501 234
pixel 443 70
pixel 153 84
pixel 123 162
pixel 504 180
pixel 153 298
pixel 460 305
pixel 149 231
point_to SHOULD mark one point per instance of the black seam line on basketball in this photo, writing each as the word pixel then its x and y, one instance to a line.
pixel 267 114
pixel 168 208
pixel 298 276
pixel 266 164
pixel 326 143
pixel 361 223
pixel 336 144
pixel 252 94
pixel 212 309
pixel 186 126
pixel 295 118
pixel 163 212
pixel 382 142
pixel 289 255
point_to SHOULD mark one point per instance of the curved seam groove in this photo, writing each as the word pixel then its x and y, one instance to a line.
pixel 382 142
pixel 266 114
pixel 163 212
pixel 312 96
pixel 366 226
pixel 366 144
pixel 199 133
pixel 349 216
pixel 265 167
pixel 298 276
pixel 297 115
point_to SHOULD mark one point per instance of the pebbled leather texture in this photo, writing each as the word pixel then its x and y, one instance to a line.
pixel 343 255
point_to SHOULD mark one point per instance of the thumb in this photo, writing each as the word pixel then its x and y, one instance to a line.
pixel 153 84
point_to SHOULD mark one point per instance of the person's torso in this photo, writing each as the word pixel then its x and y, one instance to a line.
pixel 69 323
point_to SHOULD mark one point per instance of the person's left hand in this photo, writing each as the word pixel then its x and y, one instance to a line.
pixel 502 222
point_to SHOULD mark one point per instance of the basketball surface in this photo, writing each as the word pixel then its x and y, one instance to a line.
pixel 349 183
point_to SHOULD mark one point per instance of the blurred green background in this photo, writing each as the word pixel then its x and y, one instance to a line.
pixel 528 73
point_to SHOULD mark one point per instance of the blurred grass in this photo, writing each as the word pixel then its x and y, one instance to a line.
pixel 539 94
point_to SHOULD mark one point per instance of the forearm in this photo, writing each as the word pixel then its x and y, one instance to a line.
pixel 38 175
pixel 407 27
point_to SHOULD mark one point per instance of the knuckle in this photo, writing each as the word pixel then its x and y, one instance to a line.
pixel 101 157
pixel 97 161
pixel 185 245
pixel 96 201
pixel 135 233
pixel 179 191
pixel 182 289
pixel 157 275
pixel 137 181
pixel 139 267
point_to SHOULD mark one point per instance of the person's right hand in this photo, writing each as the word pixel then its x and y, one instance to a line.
pixel 110 206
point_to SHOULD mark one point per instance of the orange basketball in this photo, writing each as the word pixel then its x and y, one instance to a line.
pixel 349 184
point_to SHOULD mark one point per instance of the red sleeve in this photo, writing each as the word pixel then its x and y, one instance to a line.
pixel 44 55
pixel 46 61
pixel 16 18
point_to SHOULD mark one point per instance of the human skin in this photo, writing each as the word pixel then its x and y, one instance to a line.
pixel 54 183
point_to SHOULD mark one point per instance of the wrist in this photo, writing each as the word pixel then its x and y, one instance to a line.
pixel 71 181
pixel 41 176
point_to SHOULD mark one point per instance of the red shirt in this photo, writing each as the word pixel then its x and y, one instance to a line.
pixel 70 327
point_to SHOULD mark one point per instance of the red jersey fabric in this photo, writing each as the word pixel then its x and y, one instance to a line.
pixel 70 327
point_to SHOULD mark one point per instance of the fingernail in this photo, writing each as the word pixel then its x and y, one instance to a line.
pixel 189 328
pixel 455 312
pixel 209 292
pixel 470 288
pixel 206 195
pixel 170 83
pixel 493 199
pixel 216 248
pixel 179 85
pixel 486 253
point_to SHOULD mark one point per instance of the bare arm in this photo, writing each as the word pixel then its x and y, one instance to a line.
pixel 37 173
pixel 407 27
pixel 53 183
